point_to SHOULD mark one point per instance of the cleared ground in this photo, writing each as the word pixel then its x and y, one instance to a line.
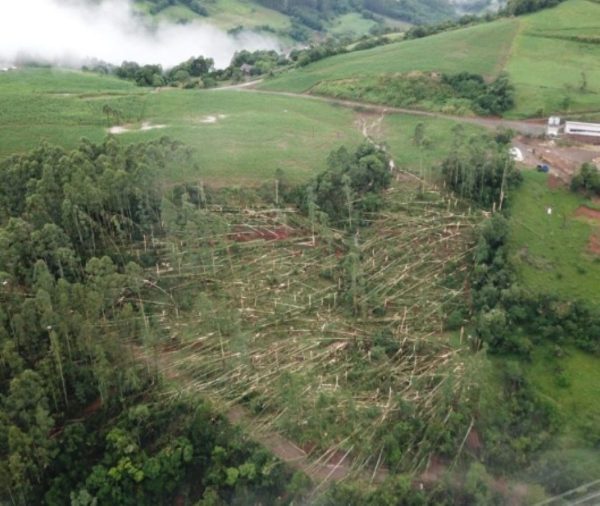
pixel 332 345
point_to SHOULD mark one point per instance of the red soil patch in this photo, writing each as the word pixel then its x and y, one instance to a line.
pixel 594 245
pixel 554 182
pixel 588 212
pixel 244 234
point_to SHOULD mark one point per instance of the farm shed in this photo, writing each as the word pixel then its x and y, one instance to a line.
pixel 580 128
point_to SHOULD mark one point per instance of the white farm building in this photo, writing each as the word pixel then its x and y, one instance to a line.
pixel 579 128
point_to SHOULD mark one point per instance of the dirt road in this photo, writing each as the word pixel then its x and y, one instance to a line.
pixel 530 127
pixel 330 467
pixel 334 466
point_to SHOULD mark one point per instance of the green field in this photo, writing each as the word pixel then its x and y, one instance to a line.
pixel 398 132
pixel 232 14
pixel 480 49
pixel 355 25
pixel 553 69
pixel 550 251
pixel 236 136
pixel 547 69
pixel 226 14
pixel 352 24
pixel 571 383
pixel 550 254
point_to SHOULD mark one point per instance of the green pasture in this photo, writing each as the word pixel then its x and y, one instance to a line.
pixel 226 14
pixel 398 132
pixel 236 136
pixel 554 68
pixel 571 384
pixel 251 136
pixel 352 24
pixel 480 49
pixel 549 70
pixel 549 252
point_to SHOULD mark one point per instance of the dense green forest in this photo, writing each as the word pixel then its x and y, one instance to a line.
pixel 81 420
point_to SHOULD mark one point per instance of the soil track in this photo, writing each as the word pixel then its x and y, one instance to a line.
pixel 336 467
pixel 331 467
pixel 530 127
pixel 594 244
pixel 563 160
pixel 588 212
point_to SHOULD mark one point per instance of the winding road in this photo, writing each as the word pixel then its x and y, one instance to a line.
pixel 529 127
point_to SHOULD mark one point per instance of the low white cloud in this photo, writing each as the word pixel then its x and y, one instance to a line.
pixel 72 32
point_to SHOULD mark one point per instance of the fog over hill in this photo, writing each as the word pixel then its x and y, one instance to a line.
pixel 74 32
pixel 463 6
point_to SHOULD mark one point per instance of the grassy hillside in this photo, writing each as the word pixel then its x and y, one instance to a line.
pixel 551 252
pixel 570 382
pixel 226 14
pixel 480 49
pixel 552 56
pixel 233 14
pixel 236 136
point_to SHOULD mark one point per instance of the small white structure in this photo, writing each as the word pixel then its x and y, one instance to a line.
pixel 553 128
pixel 516 154
pixel 580 128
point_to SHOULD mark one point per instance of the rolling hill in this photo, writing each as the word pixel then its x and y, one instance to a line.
pixel 306 19
pixel 552 57
pixel 236 137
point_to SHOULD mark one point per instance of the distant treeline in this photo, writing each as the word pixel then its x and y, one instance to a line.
pixel 513 8
pixel 194 5
pixel 311 12
pixel 518 7
pixel 197 72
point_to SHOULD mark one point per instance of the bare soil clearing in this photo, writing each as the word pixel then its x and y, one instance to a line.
pixel 123 129
pixel 211 119
pixel 554 182
pixel 564 161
